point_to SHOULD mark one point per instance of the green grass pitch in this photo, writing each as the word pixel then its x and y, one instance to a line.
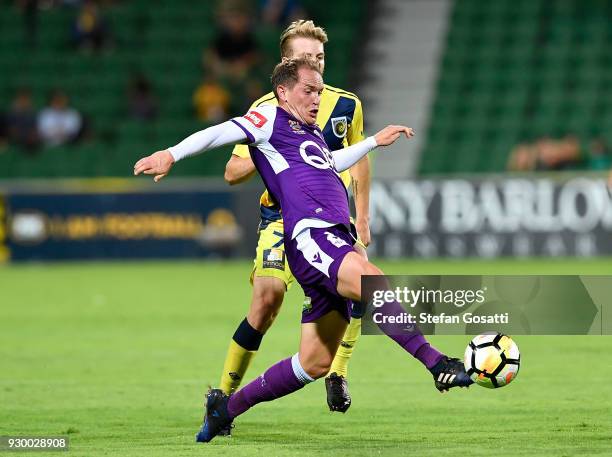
pixel 119 356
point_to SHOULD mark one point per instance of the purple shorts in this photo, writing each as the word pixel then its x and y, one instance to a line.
pixel 314 257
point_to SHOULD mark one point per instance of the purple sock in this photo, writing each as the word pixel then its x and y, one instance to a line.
pixel 278 380
pixel 409 337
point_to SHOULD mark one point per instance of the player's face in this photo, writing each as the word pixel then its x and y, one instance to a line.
pixel 308 47
pixel 304 97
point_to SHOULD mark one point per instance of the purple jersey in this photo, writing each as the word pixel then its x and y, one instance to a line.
pixel 297 168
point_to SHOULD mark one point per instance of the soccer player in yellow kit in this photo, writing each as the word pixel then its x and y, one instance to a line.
pixel 340 117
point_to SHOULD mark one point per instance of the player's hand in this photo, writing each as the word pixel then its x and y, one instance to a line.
pixel 158 164
pixel 363 231
pixel 390 133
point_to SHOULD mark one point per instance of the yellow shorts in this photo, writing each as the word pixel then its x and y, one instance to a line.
pixel 270 260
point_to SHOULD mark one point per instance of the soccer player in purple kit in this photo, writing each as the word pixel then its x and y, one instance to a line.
pixel 302 174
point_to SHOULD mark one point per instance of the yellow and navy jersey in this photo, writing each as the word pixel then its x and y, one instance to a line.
pixel 340 118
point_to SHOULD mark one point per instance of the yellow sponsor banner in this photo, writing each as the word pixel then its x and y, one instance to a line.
pixel 121 225
pixel 126 226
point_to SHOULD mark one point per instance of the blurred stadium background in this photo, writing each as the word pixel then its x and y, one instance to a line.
pixel 512 104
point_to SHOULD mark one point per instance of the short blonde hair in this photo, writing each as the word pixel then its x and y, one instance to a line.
pixel 300 28
pixel 286 72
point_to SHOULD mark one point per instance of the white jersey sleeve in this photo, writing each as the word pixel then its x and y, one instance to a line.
pixel 257 124
pixel 345 158
pixel 210 138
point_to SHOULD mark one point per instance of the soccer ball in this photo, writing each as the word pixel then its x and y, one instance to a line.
pixel 492 360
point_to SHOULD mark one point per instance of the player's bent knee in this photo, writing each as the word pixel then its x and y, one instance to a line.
pixel 350 273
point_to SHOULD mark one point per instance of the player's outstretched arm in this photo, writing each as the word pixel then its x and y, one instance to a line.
pixel 390 133
pixel 345 158
pixel 159 163
pixel 360 176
